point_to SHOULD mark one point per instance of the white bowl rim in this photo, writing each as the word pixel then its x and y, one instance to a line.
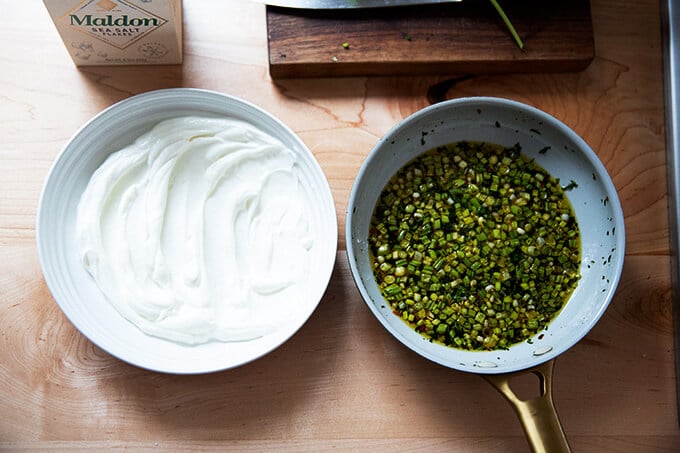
pixel 179 92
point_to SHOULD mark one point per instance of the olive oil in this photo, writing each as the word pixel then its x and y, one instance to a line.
pixel 475 246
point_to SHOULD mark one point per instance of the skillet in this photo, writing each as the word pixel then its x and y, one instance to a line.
pixel 566 156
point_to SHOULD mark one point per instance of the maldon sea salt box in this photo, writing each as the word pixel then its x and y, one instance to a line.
pixel 119 32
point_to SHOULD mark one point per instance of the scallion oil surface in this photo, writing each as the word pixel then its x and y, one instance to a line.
pixel 475 246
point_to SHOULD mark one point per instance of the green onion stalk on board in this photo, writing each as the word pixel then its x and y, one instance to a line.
pixel 508 24
pixel 504 18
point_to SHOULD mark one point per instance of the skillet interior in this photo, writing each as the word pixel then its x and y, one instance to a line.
pixel 568 158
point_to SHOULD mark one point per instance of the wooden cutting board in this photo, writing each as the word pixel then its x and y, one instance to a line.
pixel 467 37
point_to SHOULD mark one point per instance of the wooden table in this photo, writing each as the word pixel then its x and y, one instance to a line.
pixel 342 382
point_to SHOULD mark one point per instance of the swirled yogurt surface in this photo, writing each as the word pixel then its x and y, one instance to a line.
pixel 199 231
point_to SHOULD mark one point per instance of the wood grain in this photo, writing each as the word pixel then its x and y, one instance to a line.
pixel 341 383
pixel 466 37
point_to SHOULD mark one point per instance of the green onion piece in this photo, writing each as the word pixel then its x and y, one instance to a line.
pixel 508 24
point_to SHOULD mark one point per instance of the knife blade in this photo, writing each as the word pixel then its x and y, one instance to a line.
pixel 349 4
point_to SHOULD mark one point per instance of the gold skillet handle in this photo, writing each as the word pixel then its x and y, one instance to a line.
pixel 537 415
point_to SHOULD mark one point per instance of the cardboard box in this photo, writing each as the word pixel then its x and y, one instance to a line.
pixel 119 32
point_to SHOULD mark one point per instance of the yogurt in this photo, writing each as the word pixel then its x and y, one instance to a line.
pixel 199 231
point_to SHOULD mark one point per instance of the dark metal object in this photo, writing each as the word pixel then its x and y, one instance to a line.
pixel 348 4
pixel 670 21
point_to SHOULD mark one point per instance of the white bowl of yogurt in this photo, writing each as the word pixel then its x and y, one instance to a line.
pixel 186 231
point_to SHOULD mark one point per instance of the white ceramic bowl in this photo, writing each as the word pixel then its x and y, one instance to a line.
pixel 568 158
pixel 74 289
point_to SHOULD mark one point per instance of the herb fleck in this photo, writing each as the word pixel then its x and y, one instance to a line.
pixel 572 185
